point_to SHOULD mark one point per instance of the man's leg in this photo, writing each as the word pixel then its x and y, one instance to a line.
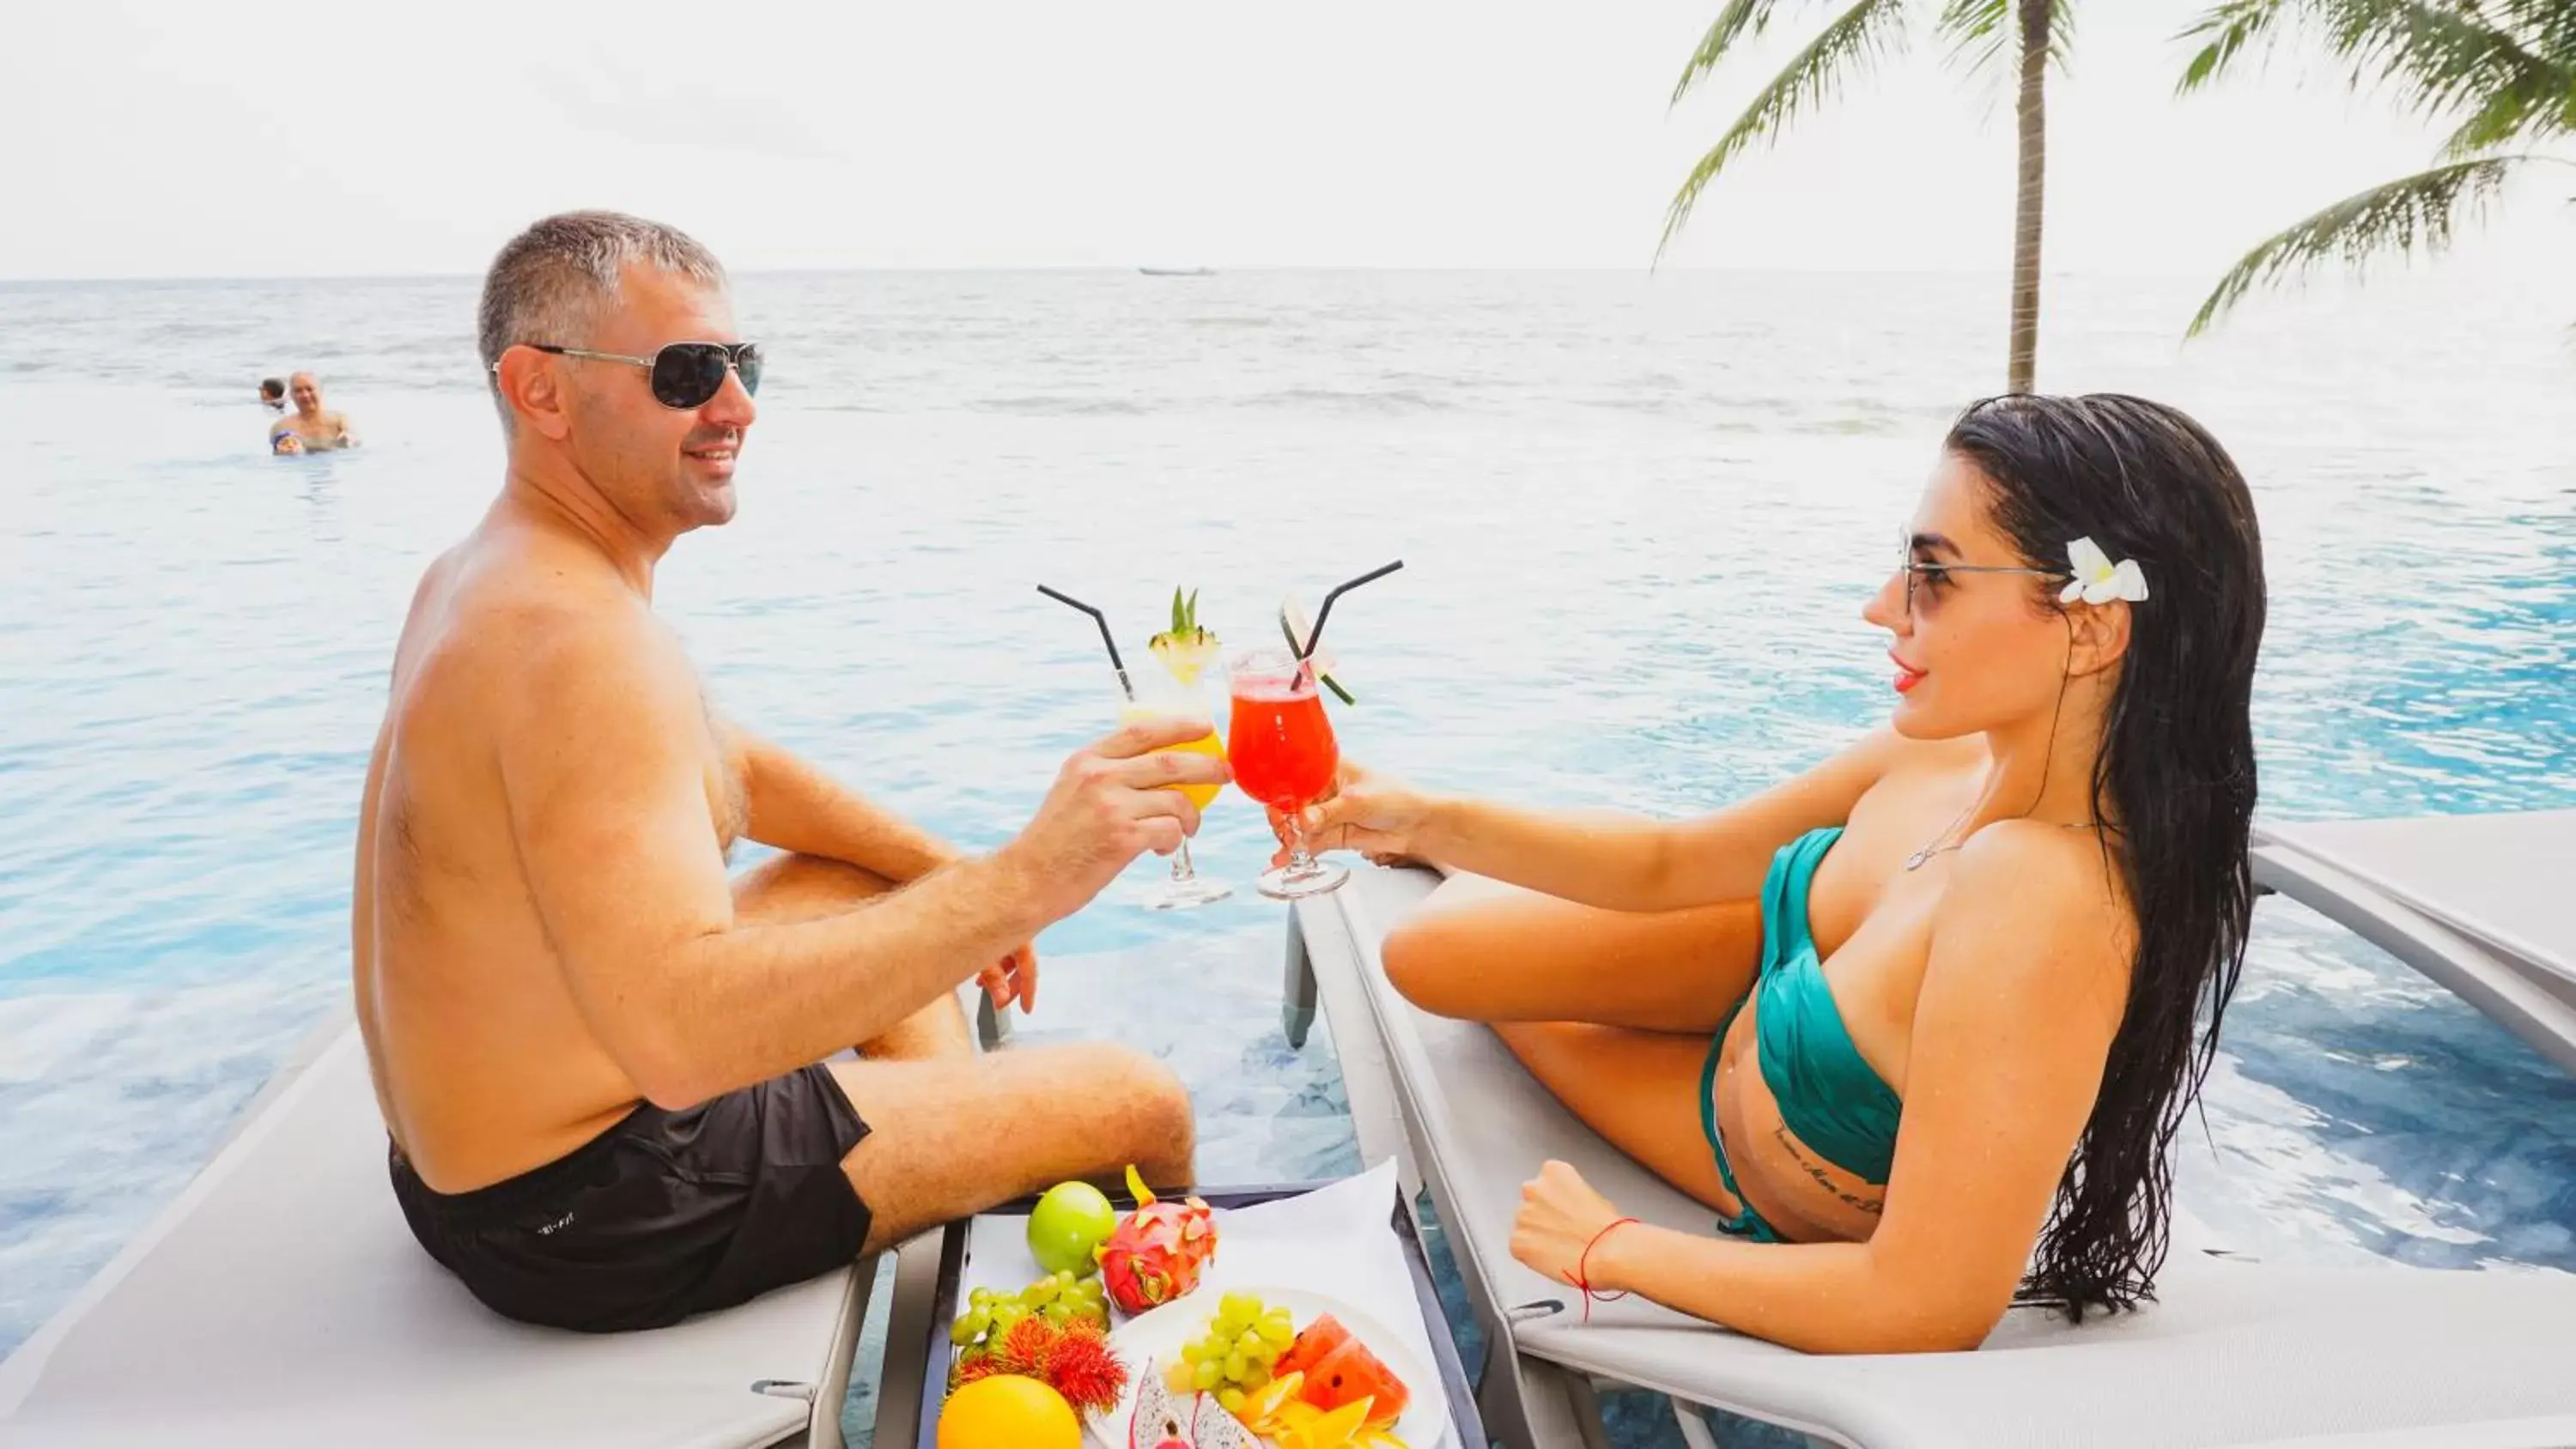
pixel 807 887
pixel 951 1133
pixel 954 1136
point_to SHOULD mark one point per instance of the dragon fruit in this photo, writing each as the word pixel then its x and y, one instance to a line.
pixel 1162 1418
pixel 1157 1252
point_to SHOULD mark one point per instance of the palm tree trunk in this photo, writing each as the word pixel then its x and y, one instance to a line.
pixel 2024 358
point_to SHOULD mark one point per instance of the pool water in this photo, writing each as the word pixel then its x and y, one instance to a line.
pixel 1638 517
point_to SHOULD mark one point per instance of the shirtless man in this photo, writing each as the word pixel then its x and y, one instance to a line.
pixel 309 429
pixel 601 1064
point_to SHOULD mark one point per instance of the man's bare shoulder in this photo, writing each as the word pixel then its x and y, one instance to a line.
pixel 525 625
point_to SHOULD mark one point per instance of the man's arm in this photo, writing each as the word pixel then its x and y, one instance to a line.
pixel 599 755
pixel 795 806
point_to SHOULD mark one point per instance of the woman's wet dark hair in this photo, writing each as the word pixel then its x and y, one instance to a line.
pixel 272 387
pixel 2175 777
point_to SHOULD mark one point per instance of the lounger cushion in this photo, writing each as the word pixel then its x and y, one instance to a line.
pixel 281 1301
pixel 2500 880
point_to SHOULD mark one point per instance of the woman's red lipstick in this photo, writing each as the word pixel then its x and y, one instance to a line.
pixel 1906 677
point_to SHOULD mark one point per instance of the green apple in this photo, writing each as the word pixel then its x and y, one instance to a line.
pixel 1069 1224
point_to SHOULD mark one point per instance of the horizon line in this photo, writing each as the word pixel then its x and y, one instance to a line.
pixel 1133 269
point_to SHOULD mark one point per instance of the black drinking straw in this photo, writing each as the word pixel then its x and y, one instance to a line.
pixel 1315 635
pixel 1114 661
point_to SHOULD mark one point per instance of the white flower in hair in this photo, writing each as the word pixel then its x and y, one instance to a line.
pixel 2097 579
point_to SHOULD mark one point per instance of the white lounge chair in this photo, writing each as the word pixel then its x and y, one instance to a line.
pixel 282 1301
pixel 2479 903
pixel 2234 1353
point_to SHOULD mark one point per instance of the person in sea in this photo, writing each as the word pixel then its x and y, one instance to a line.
pixel 309 429
pixel 272 391
pixel 1918 1025
pixel 614 1078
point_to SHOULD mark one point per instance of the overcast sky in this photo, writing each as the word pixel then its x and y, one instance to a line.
pixel 182 138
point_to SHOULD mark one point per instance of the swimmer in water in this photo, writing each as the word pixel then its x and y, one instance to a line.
pixel 310 429
pixel 272 391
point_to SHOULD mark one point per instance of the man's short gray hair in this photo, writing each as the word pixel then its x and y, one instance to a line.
pixel 552 282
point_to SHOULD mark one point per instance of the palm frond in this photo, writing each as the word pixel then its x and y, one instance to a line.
pixel 2441 55
pixel 2412 213
pixel 1740 18
pixel 2547 27
pixel 2228 29
pixel 2522 108
pixel 1862 32
pixel 2490 59
pixel 1981 32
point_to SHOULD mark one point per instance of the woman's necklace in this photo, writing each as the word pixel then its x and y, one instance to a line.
pixel 1916 860
pixel 1934 846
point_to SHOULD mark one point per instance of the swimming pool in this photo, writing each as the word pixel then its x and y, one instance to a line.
pixel 1638 516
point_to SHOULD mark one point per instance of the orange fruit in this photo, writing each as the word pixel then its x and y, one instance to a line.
pixel 1008 1411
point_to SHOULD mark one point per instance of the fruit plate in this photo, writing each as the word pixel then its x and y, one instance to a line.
pixel 1156 1337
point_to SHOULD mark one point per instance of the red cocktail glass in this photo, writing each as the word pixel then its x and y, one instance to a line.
pixel 1280 746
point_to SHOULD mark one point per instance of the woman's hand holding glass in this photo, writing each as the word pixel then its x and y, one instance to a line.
pixel 1368 811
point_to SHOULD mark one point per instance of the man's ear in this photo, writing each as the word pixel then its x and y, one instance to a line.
pixel 532 385
pixel 2100 636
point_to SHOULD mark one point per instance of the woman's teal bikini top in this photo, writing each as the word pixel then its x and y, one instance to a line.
pixel 1828 1094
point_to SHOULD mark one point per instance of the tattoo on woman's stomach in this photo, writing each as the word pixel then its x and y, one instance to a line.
pixel 1823 1178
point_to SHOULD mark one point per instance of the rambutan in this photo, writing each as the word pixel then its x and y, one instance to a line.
pixel 1085 1370
pixel 970 1367
pixel 1023 1350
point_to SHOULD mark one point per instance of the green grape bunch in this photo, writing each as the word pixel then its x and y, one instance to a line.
pixel 1059 1298
pixel 1232 1359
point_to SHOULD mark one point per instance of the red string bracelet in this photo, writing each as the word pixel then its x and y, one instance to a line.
pixel 1583 1270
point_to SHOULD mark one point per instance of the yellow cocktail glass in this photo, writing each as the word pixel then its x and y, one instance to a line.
pixel 1160 699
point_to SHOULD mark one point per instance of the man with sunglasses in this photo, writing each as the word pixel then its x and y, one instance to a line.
pixel 608 1072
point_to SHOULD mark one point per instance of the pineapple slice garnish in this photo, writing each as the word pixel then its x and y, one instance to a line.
pixel 1185 649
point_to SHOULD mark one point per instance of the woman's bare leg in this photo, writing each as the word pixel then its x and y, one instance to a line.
pixel 1480 950
pixel 1638 1089
pixel 1611 1011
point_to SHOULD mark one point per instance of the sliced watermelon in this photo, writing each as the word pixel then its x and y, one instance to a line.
pixel 1350 1373
pixel 1320 1338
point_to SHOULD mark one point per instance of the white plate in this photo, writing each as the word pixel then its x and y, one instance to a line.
pixel 1158 1335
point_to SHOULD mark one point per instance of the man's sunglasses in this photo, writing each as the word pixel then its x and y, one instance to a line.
pixel 685 374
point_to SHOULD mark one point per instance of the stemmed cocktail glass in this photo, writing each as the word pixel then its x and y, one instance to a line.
pixel 1165 696
pixel 1281 747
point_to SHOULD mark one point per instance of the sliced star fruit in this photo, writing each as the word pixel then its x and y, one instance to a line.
pixel 1185 649
pixel 1296 628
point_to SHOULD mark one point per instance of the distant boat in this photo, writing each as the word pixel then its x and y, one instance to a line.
pixel 1178 271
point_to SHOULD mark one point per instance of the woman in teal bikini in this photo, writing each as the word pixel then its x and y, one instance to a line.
pixel 1920 1024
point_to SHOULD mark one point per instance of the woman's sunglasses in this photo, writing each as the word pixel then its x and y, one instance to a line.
pixel 1937 573
pixel 685 375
